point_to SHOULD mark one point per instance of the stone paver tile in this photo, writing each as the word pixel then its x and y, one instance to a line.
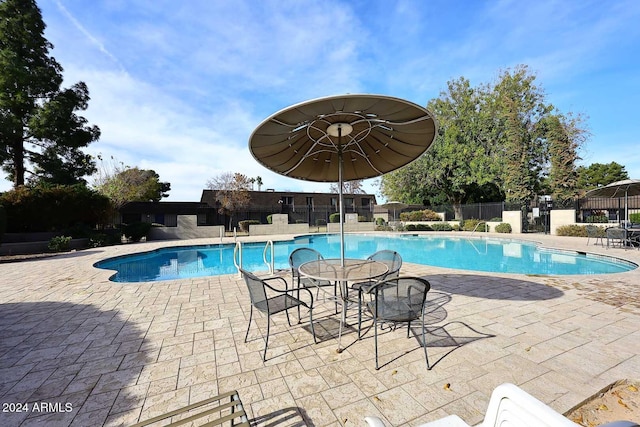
pixel 306 383
pixel 93 418
pixel 315 411
pixel 236 382
pixel 274 387
pixel 52 388
pixel 367 383
pixel 99 400
pixel 342 395
pixel 118 379
pixel 124 418
pixel 31 382
pixel 159 370
pixel 163 403
pixel 277 410
pixel 200 373
pixel 129 398
pixel 398 406
pixel 101 366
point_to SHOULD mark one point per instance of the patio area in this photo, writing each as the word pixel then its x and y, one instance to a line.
pixel 105 353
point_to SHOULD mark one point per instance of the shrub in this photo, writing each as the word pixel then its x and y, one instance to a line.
pixel 424 215
pixel 59 243
pixel 334 217
pixel 424 227
pixel 634 218
pixel 470 225
pixel 320 222
pixel 300 221
pixel 496 219
pixel 572 230
pixel 379 221
pixel 54 208
pixel 106 238
pixel 244 225
pixel 362 218
pixel 597 218
pixel 411 227
pixel 503 227
pixel 445 226
pixel 136 230
pixel 270 219
pixel 383 228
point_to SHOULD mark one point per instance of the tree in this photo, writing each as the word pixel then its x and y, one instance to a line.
pixel 38 121
pixel 232 193
pixel 123 184
pixel 564 136
pixel 348 187
pixel 598 175
pixel 494 141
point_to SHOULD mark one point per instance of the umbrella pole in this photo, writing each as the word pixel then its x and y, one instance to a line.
pixel 341 197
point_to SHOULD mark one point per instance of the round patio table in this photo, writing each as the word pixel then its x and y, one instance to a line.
pixel 353 270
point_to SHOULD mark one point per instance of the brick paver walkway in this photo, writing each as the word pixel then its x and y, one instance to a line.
pixel 81 350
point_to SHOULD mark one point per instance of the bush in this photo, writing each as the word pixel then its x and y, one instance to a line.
pixel 572 230
pixel 136 230
pixel 334 217
pixel 424 215
pixel 379 221
pixel 597 219
pixel 470 225
pixel 496 219
pixel 106 238
pixel 634 218
pixel 244 225
pixel 362 218
pixel 54 208
pixel 383 228
pixel 445 226
pixel 503 227
pixel 411 227
pixel 320 222
pixel 59 243
pixel 270 219
pixel 424 227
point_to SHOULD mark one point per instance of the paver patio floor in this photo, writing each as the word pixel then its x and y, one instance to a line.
pixel 97 352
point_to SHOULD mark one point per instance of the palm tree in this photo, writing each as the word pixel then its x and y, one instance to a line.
pixel 259 182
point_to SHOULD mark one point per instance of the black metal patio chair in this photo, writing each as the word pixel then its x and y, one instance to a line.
pixel 260 291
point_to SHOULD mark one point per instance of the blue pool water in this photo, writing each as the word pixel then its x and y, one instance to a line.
pixel 479 254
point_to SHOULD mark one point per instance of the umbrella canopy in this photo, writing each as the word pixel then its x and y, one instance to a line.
pixel 343 138
pixel 393 206
pixel 624 188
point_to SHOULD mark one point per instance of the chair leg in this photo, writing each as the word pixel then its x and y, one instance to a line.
pixel 249 325
pixel 359 311
pixel 313 331
pixel 266 341
pixel 424 343
pixel 375 338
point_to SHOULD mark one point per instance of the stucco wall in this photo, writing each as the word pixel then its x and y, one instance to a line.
pixel 513 218
pixel 334 227
pixel 187 229
pixel 560 217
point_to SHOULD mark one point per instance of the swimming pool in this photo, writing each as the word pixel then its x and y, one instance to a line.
pixel 478 254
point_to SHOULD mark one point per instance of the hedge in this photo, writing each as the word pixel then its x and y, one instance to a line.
pixel 503 227
pixel 54 208
pixel 244 225
pixel 445 226
pixel 136 230
pixel 470 225
pixel 334 217
pixel 423 215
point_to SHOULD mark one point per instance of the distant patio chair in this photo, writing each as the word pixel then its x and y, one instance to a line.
pixel 399 300
pixel 296 259
pixel 616 237
pixel 393 261
pixel 259 292
pixel 215 411
pixel 595 232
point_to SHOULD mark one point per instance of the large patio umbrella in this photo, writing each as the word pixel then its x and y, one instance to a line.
pixel 343 138
pixel 394 206
pixel 624 188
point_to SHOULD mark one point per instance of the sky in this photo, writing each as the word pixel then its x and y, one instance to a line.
pixel 179 86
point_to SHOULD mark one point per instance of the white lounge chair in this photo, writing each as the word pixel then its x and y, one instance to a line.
pixel 509 406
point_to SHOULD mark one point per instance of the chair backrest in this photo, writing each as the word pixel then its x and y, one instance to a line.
pixel 257 291
pixel 592 230
pixel 300 256
pixel 616 233
pixel 511 406
pixel 392 259
pixel 400 299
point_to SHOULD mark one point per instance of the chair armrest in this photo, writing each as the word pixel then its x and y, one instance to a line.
pixel 286 290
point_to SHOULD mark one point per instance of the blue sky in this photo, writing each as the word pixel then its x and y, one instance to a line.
pixel 178 86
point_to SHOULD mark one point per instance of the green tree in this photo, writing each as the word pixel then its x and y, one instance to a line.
pixel 232 193
pixel 348 187
pixel 123 184
pixel 38 121
pixel 259 182
pixel 564 137
pixel 599 174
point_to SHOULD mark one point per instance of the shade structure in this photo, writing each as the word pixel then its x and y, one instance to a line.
pixel 624 188
pixel 343 138
pixel 394 206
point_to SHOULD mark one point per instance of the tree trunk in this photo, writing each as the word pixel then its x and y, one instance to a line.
pixel 18 162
